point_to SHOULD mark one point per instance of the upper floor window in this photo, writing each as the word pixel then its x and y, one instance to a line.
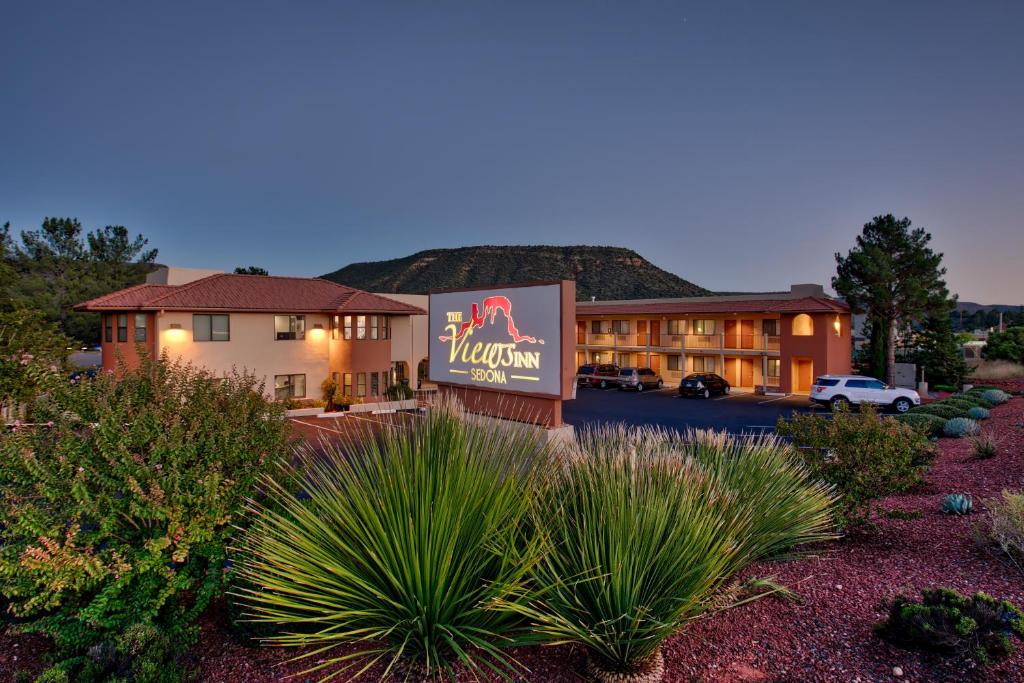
pixel 335 324
pixel 770 327
pixel 348 327
pixel 289 327
pixel 621 326
pixel 600 326
pixel 141 325
pixel 803 325
pixel 677 327
pixel 207 327
pixel 374 329
pixel 385 327
pixel 360 327
pixel 108 328
pixel 703 326
pixel 122 327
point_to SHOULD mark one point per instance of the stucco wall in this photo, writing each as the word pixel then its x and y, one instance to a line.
pixel 113 352
pixel 252 348
pixel 409 333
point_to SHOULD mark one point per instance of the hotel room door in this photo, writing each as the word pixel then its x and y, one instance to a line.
pixel 747 372
pixel 730 335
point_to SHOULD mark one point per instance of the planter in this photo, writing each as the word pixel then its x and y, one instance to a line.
pixel 651 670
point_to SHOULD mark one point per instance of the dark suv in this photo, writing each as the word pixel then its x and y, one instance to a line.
pixel 703 384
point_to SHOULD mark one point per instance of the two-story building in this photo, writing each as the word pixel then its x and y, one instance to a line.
pixel 772 342
pixel 290 332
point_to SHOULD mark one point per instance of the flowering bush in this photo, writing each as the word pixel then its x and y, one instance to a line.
pixel 114 519
pixel 33 355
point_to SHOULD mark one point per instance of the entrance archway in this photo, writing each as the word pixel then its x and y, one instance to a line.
pixel 422 372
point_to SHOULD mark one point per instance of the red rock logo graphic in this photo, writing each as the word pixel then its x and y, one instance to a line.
pixel 491 306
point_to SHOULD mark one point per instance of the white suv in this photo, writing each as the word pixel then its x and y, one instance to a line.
pixel 842 391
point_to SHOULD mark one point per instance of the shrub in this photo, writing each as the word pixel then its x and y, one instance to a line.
pixel 113 522
pixel 409 547
pixel 985 447
pixel 978 413
pixel 1006 515
pixel 949 388
pixel 979 389
pixel 343 400
pixel 972 399
pixel 960 404
pixel 33 356
pixel 643 526
pixel 328 388
pixel 864 455
pixel 943 410
pixel 925 423
pixel 977 627
pixel 400 392
pixel 957 504
pixel 960 426
pixel 995 397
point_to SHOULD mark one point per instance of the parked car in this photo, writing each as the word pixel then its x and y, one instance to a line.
pixel 842 391
pixel 703 384
pixel 603 376
pixel 639 379
pixel 584 373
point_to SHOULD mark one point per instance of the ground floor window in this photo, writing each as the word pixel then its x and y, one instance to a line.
pixel 773 367
pixel 122 328
pixel 289 386
pixel 374 384
pixel 109 328
pixel 361 384
pixel 346 385
pixel 673 363
pixel 140 327
pixel 703 363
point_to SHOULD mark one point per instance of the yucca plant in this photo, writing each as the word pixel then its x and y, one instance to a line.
pixel 643 527
pixel 410 548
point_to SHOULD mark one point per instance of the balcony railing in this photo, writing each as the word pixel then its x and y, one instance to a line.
pixel 703 341
pixel 693 342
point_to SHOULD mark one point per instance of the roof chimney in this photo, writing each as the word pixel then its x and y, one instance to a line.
pixel 167 275
pixel 805 290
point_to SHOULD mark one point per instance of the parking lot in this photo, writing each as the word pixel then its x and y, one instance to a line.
pixel 736 413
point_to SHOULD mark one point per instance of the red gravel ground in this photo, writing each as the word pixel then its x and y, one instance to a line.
pixel 827 636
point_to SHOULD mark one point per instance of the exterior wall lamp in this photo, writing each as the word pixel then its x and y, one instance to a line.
pixel 317 333
pixel 837 326
pixel 175 333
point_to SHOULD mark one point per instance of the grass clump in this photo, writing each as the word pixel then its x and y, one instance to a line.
pixel 644 527
pixel 979 627
pixel 412 548
pixel 1006 516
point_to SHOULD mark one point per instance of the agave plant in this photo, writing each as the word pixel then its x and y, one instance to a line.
pixel 958 504
pixel 409 548
pixel 643 527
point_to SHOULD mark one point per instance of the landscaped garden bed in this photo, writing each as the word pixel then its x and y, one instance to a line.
pixel 827 634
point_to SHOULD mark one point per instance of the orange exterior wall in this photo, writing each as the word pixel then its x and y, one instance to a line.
pixel 113 352
pixel 828 352
pixel 360 355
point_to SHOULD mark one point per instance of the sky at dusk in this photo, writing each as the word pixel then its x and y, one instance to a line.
pixel 737 144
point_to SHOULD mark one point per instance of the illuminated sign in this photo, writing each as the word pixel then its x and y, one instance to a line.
pixel 507 339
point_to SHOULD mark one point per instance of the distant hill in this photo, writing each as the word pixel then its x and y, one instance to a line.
pixel 971 307
pixel 600 272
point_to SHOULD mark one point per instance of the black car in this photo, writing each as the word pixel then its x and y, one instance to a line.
pixel 703 384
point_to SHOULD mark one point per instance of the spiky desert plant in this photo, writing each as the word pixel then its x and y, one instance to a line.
pixel 410 547
pixel 643 527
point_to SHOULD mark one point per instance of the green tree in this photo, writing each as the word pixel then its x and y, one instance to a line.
pixel 57 267
pixel 937 350
pixel 1008 345
pixel 6 271
pixel 251 270
pixel 894 277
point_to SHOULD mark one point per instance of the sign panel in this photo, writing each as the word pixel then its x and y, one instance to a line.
pixel 505 339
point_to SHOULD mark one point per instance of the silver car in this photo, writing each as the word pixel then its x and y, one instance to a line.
pixel 639 379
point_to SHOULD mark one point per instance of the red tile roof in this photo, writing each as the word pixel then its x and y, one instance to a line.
pixel 256 293
pixel 696 305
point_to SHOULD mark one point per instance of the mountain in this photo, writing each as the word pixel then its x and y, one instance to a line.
pixel 600 272
pixel 971 307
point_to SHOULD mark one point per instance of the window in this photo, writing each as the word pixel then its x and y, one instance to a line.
pixel 122 327
pixel 289 327
pixel 374 384
pixel 346 386
pixel 348 327
pixel 109 328
pixel 673 363
pixel 677 327
pixel 335 323
pixel 360 327
pixel 703 363
pixel 289 386
pixel 210 328
pixel 620 326
pixel 141 322
pixel 361 384
pixel 856 384
pixel 803 326
pixel 385 327
pixel 773 367
pixel 770 327
pixel 374 330
pixel 703 326
pixel 600 326
pixel 826 382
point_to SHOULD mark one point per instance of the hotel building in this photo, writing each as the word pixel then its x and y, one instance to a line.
pixel 771 342
pixel 289 332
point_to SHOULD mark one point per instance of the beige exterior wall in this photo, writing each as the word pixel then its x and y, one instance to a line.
pixel 409 335
pixel 252 348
